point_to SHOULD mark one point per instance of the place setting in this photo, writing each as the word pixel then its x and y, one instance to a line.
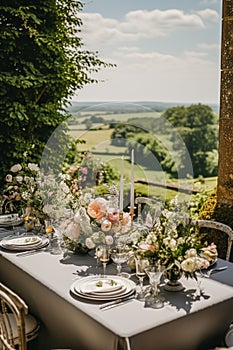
pixel 24 243
pixel 10 220
pixel 103 288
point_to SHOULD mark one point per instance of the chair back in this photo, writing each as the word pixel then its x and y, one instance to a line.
pixel 12 323
pixel 222 228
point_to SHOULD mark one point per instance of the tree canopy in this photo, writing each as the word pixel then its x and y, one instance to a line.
pixel 43 63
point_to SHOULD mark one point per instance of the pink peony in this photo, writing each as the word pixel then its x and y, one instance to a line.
pixel 97 208
pixel 113 215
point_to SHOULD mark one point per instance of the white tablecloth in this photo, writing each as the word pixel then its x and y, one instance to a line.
pixel 187 322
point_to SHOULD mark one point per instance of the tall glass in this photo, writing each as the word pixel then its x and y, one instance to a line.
pixel 140 264
pixel 104 257
pixel 154 273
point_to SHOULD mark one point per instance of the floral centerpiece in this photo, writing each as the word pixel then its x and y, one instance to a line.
pixel 173 241
pixel 21 188
pixel 97 221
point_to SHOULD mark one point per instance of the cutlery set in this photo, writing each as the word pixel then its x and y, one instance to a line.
pixel 115 303
pixel 209 272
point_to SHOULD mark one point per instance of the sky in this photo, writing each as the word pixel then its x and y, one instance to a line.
pixel 164 50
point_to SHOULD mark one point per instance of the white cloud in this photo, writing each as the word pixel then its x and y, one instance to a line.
pixel 143 73
pixel 137 25
pixel 195 54
pixel 209 15
pixel 158 77
pixel 206 46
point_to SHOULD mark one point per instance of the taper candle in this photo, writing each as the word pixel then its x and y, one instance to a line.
pixel 132 182
pixel 121 200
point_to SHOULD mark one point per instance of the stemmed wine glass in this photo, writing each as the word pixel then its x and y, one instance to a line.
pixel 119 255
pixel 154 273
pixel 104 257
pixel 49 230
pixel 140 264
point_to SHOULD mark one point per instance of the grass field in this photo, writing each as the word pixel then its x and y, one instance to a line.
pixel 98 142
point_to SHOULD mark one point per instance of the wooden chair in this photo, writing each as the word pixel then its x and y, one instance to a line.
pixel 17 327
pixel 210 224
pixel 154 209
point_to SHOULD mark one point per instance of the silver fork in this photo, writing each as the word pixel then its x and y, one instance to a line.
pixel 208 273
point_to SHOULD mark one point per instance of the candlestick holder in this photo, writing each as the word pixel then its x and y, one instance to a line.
pixel 131 212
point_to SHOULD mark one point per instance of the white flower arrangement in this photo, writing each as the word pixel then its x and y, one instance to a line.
pixel 173 240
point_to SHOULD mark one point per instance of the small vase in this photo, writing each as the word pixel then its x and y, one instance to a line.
pixel 173 275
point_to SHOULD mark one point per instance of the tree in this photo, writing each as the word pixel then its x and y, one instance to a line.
pixel 197 126
pixel 43 64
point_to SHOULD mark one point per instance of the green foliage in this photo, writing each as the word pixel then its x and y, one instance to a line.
pixel 42 64
pixel 149 150
pixel 122 132
pixel 197 126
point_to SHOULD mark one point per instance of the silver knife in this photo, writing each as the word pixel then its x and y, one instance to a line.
pixel 115 303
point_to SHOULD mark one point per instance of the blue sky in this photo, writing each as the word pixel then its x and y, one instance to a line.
pixel 165 50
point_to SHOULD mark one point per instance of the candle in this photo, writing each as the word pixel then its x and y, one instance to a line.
pixel 132 182
pixel 121 185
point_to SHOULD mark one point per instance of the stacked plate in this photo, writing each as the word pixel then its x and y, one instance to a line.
pixel 23 243
pixel 9 220
pixel 103 288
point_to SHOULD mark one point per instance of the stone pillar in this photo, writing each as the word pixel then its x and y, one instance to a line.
pixel 225 165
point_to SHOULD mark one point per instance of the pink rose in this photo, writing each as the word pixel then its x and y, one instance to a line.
pixel 97 208
pixel 113 215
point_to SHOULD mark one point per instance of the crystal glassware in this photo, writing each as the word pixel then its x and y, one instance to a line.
pixel 104 257
pixel 154 273
pixel 119 255
pixel 140 264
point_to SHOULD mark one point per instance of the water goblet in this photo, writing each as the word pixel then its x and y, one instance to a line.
pixel 140 264
pixel 119 255
pixel 154 273
pixel 104 257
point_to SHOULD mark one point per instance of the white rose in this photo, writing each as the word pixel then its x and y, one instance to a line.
pixel 19 178
pixel 89 243
pixel 72 231
pixel 15 168
pixel 191 253
pixel 8 178
pixel 77 217
pixel 189 265
pixel 172 244
pixel 33 167
pixel 109 240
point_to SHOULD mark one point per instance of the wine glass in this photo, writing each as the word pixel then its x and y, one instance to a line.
pixel 154 273
pixel 104 257
pixel 119 255
pixel 49 230
pixel 140 264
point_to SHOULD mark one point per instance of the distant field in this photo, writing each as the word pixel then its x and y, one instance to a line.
pixel 118 117
pixel 99 143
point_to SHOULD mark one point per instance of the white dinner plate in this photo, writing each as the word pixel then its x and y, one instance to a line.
pixel 229 337
pixel 23 241
pixel 42 242
pixel 10 223
pixel 78 288
pixel 100 285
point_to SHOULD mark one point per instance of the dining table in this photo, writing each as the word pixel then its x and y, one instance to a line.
pixel 192 319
